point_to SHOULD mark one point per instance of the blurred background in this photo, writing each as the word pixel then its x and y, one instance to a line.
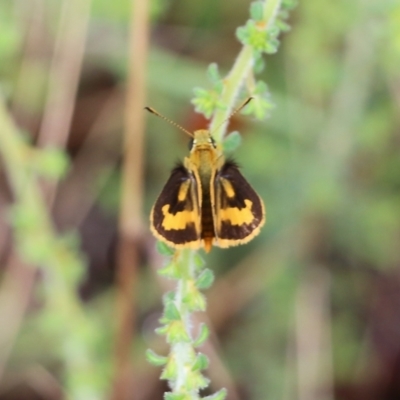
pixel 308 310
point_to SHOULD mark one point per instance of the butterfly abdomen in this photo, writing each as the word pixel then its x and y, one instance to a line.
pixel 207 223
pixel 204 159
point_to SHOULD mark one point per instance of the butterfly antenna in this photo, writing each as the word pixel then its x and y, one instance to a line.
pixel 234 112
pixel 153 111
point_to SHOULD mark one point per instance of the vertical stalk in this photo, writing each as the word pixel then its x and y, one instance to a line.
pixel 64 77
pixel 130 224
pixel 237 75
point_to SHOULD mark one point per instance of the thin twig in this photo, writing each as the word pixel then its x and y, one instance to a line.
pixel 313 342
pixel 64 78
pixel 130 224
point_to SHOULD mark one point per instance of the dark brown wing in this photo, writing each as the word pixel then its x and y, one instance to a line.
pixel 175 218
pixel 238 210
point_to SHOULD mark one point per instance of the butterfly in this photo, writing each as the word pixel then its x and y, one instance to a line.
pixel 206 201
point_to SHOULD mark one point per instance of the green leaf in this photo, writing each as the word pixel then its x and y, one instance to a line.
pixel 203 335
pixel 201 362
pixel 289 4
pixel 261 88
pixel 169 296
pixel 206 101
pixel 259 65
pixel 200 92
pixel 232 142
pixel 282 25
pixel 197 381
pixel 155 359
pixel 257 11
pixel 176 396
pixel 170 371
pixel 220 395
pixel 170 270
pixel 198 261
pixel 205 279
pixel 262 103
pixel 213 73
pixel 171 313
pixel 241 34
pixel 219 87
pixel 164 249
pixel 176 332
pixel 193 298
pixel 162 330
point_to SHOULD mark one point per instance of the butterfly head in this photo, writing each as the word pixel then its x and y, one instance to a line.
pixel 202 140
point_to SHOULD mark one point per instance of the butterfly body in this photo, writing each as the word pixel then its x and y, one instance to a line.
pixel 206 201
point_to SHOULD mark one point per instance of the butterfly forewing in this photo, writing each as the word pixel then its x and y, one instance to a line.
pixel 175 215
pixel 238 210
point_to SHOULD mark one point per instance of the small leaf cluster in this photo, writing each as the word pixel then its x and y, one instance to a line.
pixel 262 104
pixel 283 15
pixel 260 34
pixel 259 37
pixel 231 142
pixel 206 101
pixel 183 367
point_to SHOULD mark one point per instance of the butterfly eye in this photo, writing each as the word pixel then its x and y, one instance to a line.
pixel 190 144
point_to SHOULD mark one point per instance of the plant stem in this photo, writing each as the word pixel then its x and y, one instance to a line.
pixel 183 352
pixel 237 75
pixel 232 85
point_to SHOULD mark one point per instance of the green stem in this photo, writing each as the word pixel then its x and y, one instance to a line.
pixel 184 364
pixel 184 352
pixel 271 8
pixel 232 84
pixel 237 75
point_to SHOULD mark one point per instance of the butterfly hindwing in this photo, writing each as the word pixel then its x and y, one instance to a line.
pixel 238 210
pixel 175 217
